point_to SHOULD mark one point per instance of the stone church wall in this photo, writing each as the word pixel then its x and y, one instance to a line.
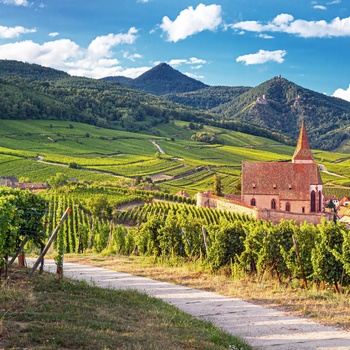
pixel 207 199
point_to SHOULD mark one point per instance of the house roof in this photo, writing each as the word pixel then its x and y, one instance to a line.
pixel 343 211
pixel 302 152
pixel 289 181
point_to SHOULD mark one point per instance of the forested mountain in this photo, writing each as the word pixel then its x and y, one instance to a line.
pixel 273 109
pixel 207 98
pixel 160 80
pixel 281 105
pixel 31 72
pixel 33 92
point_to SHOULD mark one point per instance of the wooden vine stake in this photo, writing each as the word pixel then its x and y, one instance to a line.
pixel 52 238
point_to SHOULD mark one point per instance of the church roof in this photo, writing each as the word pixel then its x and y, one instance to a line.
pixel 289 181
pixel 303 151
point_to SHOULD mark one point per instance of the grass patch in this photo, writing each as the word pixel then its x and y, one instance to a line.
pixel 43 313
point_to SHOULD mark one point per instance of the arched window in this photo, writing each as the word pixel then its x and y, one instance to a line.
pixel 313 202
pixel 253 202
pixel 273 204
pixel 287 206
pixel 319 201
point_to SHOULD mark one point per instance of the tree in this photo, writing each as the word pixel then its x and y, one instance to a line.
pixel 58 180
pixel 218 188
pixel 99 206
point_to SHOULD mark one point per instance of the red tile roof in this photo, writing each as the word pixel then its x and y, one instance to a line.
pixel 291 181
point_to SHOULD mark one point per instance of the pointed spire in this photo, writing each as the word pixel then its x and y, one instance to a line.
pixel 302 152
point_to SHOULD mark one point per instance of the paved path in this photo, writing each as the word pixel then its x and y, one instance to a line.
pixel 263 328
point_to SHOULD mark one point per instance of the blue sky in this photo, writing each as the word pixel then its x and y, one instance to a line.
pixel 222 42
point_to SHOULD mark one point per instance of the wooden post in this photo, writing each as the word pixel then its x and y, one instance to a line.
pixel 52 238
pixel 204 231
pixel 20 249
pixel 299 260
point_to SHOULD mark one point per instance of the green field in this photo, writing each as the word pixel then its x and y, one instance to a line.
pixel 37 150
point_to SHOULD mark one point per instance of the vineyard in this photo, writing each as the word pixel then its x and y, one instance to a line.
pixel 296 255
pixel 37 150
pixel 176 231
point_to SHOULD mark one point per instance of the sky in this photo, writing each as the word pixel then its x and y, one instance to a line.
pixel 219 42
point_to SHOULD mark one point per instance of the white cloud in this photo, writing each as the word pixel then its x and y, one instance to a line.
pixel 194 76
pixel 262 57
pixel 54 34
pixel 177 62
pixel 320 7
pixel 96 61
pixel 131 57
pixel 16 2
pixel 143 1
pixel 192 21
pixel 102 45
pixel 334 2
pixel 341 93
pixel 286 23
pixel 265 36
pixel 14 32
pixel 192 60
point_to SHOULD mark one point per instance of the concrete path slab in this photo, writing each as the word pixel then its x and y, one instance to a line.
pixel 263 328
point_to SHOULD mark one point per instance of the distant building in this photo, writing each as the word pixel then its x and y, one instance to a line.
pixel 12 181
pixel 294 186
pixel 183 193
pixel 278 190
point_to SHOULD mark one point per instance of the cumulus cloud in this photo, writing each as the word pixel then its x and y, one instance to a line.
pixel 16 2
pixel 95 61
pixel 194 76
pixel 286 23
pixel 262 57
pixel 54 34
pixel 192 60
pixel 131 57
pixel 192 21
pixel 14 32
pixel 265 36
pixel 320 7
pixel 341 93
pixel 102 45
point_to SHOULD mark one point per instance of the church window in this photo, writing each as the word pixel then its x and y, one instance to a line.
pixel 287 206
pixel 313 202
pixel 290 187
pixel 273 204
pixel 303 210
pixel 274 186
pixel 253 202
pixel 254 185
pixel 319 201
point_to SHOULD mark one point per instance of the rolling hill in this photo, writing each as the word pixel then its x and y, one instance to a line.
pixel 281 105
pixel 273 109
pixel 160 80
pixel 277 105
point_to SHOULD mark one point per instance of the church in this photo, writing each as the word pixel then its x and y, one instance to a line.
pixel 294 187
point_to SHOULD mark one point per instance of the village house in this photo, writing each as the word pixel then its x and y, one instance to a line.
pixel 12 181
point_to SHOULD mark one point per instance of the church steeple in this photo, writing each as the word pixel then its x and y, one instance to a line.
pixel 302 152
